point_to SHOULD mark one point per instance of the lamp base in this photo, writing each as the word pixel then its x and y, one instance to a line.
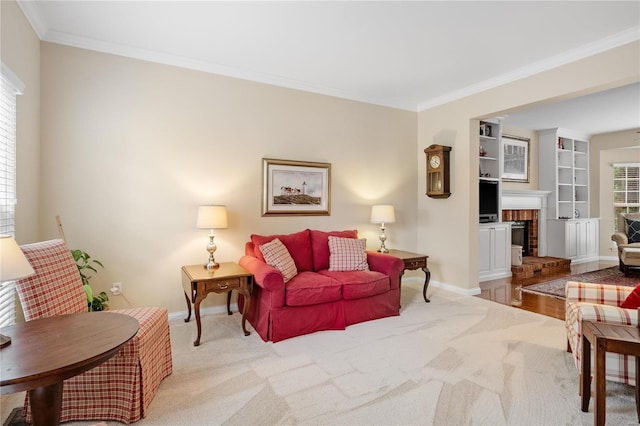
pixel 4 341
pixel 383 249
pixel 211 266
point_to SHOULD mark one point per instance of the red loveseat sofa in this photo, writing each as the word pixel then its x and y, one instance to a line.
pixel 317 298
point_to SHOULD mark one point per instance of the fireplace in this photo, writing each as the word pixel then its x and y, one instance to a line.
pixel 524 229
pixel 528 202
pixel 520 235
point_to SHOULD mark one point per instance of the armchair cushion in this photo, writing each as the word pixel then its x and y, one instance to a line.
pixel 633 230
pixel 56 288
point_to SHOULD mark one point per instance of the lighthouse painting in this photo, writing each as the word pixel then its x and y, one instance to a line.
pixel 295 188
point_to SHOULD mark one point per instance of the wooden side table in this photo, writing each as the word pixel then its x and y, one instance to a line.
pixel 621 339
pixel 413 261
pixel 198 282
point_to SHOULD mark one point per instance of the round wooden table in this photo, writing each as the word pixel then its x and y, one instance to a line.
pixel 45 352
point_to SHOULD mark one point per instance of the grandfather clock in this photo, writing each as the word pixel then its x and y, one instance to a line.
pixel 438 175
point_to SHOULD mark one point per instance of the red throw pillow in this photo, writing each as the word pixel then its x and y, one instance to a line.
pixel 633 299
pixel 298 245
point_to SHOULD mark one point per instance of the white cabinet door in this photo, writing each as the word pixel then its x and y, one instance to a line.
pixel 502 253
pixel 582 239
pixel 484 248
pixel 593 234
pixel 571 236
pixel 494 257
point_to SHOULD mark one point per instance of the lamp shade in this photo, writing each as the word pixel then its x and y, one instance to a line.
pixel 383 214
pixel 13 264
pixel 212 217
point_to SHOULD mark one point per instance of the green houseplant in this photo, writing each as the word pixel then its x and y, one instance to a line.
pixel 86 265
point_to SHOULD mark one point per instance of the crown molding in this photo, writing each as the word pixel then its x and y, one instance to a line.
pixel 71 40
pixel 32 13
pixel 608 43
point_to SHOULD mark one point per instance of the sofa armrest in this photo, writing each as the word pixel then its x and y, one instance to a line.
pixel 604 294
pixel 620 239
pixel 388 265
pixel 266 276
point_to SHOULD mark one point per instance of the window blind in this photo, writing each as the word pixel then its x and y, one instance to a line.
pixel 626 189
pixel 10 87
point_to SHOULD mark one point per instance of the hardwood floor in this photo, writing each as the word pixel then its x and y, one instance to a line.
pixel 507 291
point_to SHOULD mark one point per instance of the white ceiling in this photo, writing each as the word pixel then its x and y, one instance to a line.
pixel 403 54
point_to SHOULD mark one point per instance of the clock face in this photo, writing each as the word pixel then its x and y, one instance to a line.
pixel 435 161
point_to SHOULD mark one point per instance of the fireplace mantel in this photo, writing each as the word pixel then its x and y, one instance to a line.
pixel 529 199
pixel 524 199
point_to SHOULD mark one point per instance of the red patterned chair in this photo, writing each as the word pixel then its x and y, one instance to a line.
pixel 121 388
pixel 599 302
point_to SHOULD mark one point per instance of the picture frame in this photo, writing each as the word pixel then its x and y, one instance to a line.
pixel 300 188
pixel 515 158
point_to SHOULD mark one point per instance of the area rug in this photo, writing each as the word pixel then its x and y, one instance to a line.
pixel 556 287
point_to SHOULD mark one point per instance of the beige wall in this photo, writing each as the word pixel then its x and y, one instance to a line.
pixel 606 149
pixel 448 229
pixel 131 149
pixel 20 51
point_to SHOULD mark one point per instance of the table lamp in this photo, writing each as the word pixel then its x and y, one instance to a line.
pixel 383 214
pixel 212 217
pixel 13 266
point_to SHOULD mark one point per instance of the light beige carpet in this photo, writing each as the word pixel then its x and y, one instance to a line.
pixel 455 361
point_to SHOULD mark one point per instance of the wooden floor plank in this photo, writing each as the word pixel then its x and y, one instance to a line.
pixel 544 305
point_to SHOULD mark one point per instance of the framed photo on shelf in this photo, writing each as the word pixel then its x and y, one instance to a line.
pixel 515 158
pixel 295 188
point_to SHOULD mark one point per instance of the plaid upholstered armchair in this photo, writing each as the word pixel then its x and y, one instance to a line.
pixel 599 302
pixel 121 388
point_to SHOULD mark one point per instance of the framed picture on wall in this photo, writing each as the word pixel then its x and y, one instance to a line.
pixel 515 158
pixel 295 188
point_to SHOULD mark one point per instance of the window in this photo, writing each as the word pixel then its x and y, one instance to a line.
pixel 626 189
pixel 10 87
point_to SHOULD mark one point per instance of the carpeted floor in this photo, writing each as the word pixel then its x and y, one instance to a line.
pixel 15 418
pixel 612 275
pixel 458 360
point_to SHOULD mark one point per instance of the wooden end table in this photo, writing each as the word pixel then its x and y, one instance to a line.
pixel 621 339
pixel 198 282
pixel 413 261
pixel 45 352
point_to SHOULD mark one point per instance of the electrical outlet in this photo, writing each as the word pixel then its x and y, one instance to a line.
pixel 116 289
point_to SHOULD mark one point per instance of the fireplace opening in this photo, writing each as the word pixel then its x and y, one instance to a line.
pixel 520 235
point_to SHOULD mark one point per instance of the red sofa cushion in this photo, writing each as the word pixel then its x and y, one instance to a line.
pixel 320 246
pixel 298 245
pixel 360 284
pixel 310 288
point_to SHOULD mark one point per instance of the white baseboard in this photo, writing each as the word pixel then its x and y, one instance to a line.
pixel 609 258
pixel 452 288
pixel 212 310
